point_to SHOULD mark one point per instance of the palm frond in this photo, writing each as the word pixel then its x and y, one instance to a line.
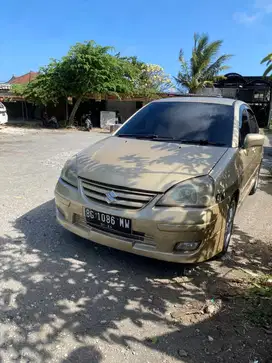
pixel 181 55
pixel 217 66
pixel 268 70
pixel 208 83
pixel 202 43
pixel 196 39
pixel 267 59
pixel 204 65
pixel 210 52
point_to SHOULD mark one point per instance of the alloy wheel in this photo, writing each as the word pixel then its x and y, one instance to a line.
pixel 229 224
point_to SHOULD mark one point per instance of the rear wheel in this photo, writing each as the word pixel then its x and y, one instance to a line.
pixel 229 225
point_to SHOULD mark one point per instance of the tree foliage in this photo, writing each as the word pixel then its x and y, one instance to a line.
pixel 45 88
pixel 268 61
pixel 204 65
pixel 149 80
pixel 19 89
pixel 90 69
pixel 87 69
pixel 154 80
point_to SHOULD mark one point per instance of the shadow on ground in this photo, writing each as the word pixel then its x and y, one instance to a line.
pixel 58 287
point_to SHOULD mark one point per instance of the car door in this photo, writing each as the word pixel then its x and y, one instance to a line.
pixel 246 156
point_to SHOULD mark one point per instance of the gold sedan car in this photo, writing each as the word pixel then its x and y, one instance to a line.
pixel 167 184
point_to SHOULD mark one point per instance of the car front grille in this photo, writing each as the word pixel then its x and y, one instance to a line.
pixel 117 197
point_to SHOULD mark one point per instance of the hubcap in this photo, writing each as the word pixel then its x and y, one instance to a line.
pixel 256 182
pixel 229 224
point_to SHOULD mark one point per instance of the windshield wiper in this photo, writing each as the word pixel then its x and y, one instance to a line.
pixel 169 138
pixel 148 137
pixel 202 142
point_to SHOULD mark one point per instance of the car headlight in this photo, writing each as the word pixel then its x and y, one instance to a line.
pixel 196 192
pixel 69 172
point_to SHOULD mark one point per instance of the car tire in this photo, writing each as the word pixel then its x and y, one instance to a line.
pixel 229 225
pixel 256 184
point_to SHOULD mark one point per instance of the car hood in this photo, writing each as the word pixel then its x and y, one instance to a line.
pixel 145 164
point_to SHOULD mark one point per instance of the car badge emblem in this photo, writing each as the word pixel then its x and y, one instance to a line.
pixel 111 197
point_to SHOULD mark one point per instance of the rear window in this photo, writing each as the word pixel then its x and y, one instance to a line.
pixel 191 121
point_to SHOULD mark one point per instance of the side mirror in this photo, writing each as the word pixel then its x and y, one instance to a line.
pixel 253 140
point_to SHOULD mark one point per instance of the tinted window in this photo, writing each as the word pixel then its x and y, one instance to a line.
pixel 254 128
pixel 244 127
pixel 184 120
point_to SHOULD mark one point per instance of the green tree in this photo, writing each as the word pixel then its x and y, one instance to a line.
pixel 19 89
pixel 89 68
pixel 268 61
pixel 149 80
pixel 45 88
pixel 154 80
pixel 204 66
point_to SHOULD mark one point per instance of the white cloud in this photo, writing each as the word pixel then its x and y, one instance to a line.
pixel 262 8
pixel 244 18
pixel 264 5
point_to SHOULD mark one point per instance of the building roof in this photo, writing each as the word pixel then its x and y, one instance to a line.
pixel 24 79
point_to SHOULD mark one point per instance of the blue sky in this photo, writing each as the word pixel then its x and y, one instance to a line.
pixel 33 31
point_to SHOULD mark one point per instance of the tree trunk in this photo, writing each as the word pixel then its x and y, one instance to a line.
pixel 66 111
pixel 26 111
pixel 23 111
pixel 74 110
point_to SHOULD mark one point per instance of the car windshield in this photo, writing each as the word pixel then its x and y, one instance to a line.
pixel 188 122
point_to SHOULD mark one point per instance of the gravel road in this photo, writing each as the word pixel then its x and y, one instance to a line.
pixel 64 299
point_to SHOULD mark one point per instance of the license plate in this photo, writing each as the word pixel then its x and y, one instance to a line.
pixel 107 221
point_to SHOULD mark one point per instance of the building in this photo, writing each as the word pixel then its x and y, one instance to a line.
pixel 24 79
pixel 19 108
pixel 254 90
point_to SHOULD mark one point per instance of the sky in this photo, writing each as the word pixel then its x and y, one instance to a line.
pixel 33 31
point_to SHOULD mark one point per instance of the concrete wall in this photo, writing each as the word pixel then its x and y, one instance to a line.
pixel 126 108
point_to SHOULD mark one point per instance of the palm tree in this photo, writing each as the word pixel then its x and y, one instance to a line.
pixel 268 61
pixel 204 66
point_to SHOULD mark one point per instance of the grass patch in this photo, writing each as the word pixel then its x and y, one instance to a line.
pixel 259 311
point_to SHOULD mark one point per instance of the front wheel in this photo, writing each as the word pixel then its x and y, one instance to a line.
pixel 229 225
pixel 256 184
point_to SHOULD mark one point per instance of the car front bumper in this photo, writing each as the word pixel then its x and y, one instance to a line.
pixel 161 228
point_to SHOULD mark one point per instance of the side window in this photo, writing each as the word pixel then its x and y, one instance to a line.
pixel 254 128
pixel 244 126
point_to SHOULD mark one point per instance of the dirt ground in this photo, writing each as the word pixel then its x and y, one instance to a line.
pixel 64 299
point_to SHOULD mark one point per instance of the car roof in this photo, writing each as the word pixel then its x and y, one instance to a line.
pixel 200 99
